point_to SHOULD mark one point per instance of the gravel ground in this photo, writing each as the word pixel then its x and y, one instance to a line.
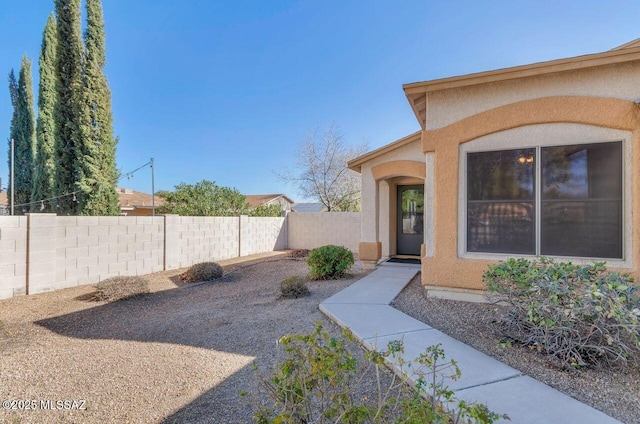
pixel 180 354
pixel 616 393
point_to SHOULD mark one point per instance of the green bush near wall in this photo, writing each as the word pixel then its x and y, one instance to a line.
pixel 329 262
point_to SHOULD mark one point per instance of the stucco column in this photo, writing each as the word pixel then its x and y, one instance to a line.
pixel 429 206
pixel 370 248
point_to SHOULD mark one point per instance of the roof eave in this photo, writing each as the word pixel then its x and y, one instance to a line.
pixel 356 164
pixel 540 68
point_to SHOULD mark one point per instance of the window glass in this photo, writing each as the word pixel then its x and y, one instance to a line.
pixel 581 209
pixel 412 211
pixel 500 201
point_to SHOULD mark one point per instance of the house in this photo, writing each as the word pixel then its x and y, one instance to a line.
pixel 256 200
pixel 308 207
pixel 529 161
pixel 136 203
pixel 5 209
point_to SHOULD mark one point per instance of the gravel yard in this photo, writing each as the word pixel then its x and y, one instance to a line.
pixel 184 352
pixel 615 393
pixel 180 354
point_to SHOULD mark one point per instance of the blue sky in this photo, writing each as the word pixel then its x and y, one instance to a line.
pixel 225 90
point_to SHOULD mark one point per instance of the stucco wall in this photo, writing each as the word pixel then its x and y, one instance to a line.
pixel 537 111
pixel 619 81
pixel 380 177
pixel 309 230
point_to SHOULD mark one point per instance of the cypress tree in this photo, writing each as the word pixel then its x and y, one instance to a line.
pixel 13 95
pixel 44 169
pixel 96 154
pixel 68 105
pixel 23 134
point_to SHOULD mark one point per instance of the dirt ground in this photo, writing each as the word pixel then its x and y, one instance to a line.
pixel 180 354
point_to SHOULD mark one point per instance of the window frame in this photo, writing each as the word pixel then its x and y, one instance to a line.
pixel 530 137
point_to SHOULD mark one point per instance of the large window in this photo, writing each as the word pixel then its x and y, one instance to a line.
pixel 569 204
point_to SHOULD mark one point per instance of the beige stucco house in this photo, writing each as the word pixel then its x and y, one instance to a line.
pixel 534 160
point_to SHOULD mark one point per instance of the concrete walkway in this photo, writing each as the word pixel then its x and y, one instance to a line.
pixel 364 308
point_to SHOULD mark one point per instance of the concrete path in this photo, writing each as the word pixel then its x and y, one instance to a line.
pixel 364 308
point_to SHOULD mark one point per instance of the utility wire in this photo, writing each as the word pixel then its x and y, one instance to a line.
pixel 73 193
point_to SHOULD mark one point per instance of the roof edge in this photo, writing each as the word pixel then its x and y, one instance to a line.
pixel 356 164
pixel 618 55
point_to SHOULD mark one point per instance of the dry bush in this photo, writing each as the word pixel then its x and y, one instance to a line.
pixel 293 288
pixel 118 288
pixel 579 315
pixel 298 253
pixel 203 271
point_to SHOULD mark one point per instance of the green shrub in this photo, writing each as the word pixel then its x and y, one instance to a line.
pixel 122 287
pixel 329 262
pixel 578 315
pixel 317 382
pixel 293 288
pixel 203 271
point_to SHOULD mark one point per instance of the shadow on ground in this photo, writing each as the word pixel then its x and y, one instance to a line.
pixel 226 315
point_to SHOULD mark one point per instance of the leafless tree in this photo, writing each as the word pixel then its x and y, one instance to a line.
pixel 321 170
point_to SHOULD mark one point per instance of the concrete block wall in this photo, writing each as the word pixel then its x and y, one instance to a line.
pixel 89 249
pixel 42 252
pixel 13 255
pixel 311 230
pixel 203 239
pixel 259 235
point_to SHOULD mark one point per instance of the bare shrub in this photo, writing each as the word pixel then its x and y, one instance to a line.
pixel 122 287
pixel 293 288
pixel 298 253
pixel 203 271
pixel 578 315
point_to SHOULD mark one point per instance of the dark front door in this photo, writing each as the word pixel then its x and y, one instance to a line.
pixel 410 220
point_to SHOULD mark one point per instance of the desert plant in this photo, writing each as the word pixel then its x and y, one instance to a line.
pixel 122 287
pixel 316 383
pixel 293 288
pixel 298 253
pixel 203 271
pixel 329 262
pixel 577 314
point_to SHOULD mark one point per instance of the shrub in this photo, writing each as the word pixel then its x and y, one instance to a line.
pixel 293 288
pixel 118 288
pixel 329 262
pixel 317 383
pixel 578 315
pixel 298 253
pixel 203 271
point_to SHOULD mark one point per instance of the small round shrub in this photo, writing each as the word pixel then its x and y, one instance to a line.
pixel 329 262
pixel 293 288
pixel 203 271
pixel 122 287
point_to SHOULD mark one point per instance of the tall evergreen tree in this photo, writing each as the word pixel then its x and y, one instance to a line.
pixel 23 133
pixel 96 154
pixel 69 103
pixel 13 95
pixel 44 169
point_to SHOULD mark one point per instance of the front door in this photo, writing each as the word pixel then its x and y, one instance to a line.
pixel 410 220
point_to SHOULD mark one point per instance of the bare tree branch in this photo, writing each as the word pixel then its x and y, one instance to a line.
pixel 321 170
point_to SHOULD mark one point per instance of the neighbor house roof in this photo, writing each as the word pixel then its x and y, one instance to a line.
pixel 356 164
pixel 256 200
pixel 417 92
pixel 128 199
pixel 131 199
